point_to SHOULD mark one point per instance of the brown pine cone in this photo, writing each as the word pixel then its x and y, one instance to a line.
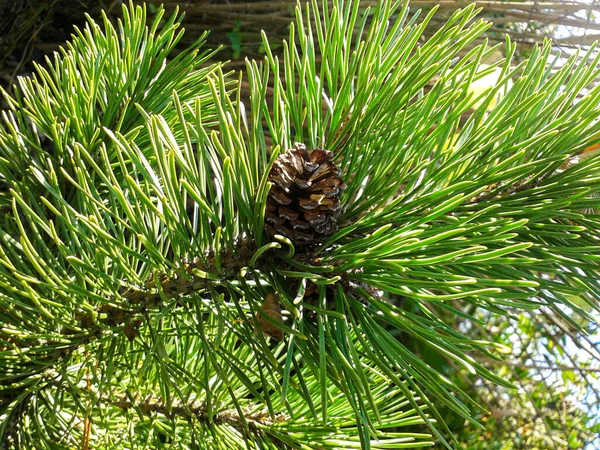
pixel 303 203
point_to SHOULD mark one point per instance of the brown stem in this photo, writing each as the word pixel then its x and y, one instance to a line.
pixel 198 275
pixel 87 422
pixel 492 191
pixel 564 7
pixel 248 420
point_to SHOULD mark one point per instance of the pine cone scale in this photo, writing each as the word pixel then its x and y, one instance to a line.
pixel 281 197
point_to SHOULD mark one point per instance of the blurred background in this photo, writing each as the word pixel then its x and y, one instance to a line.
pixel 556 371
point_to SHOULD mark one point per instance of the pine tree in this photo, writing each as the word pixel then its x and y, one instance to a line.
pixel 185 267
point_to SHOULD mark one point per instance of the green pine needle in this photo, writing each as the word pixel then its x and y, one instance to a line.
pixel 134 267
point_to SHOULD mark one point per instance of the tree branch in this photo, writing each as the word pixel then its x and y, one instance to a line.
pixel 197 275
pixel 535 366
pixel 248 420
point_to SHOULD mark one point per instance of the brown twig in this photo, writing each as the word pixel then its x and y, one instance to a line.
pixel 87 423
pixel 249 419
pixel 198 275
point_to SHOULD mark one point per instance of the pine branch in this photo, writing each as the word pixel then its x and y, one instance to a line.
pixel 197 276
pixel 152 234
pixel 251 420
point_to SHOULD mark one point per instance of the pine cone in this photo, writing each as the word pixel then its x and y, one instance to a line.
pixel 303 204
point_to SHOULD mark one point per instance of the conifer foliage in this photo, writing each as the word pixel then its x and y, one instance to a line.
pixel 158 290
